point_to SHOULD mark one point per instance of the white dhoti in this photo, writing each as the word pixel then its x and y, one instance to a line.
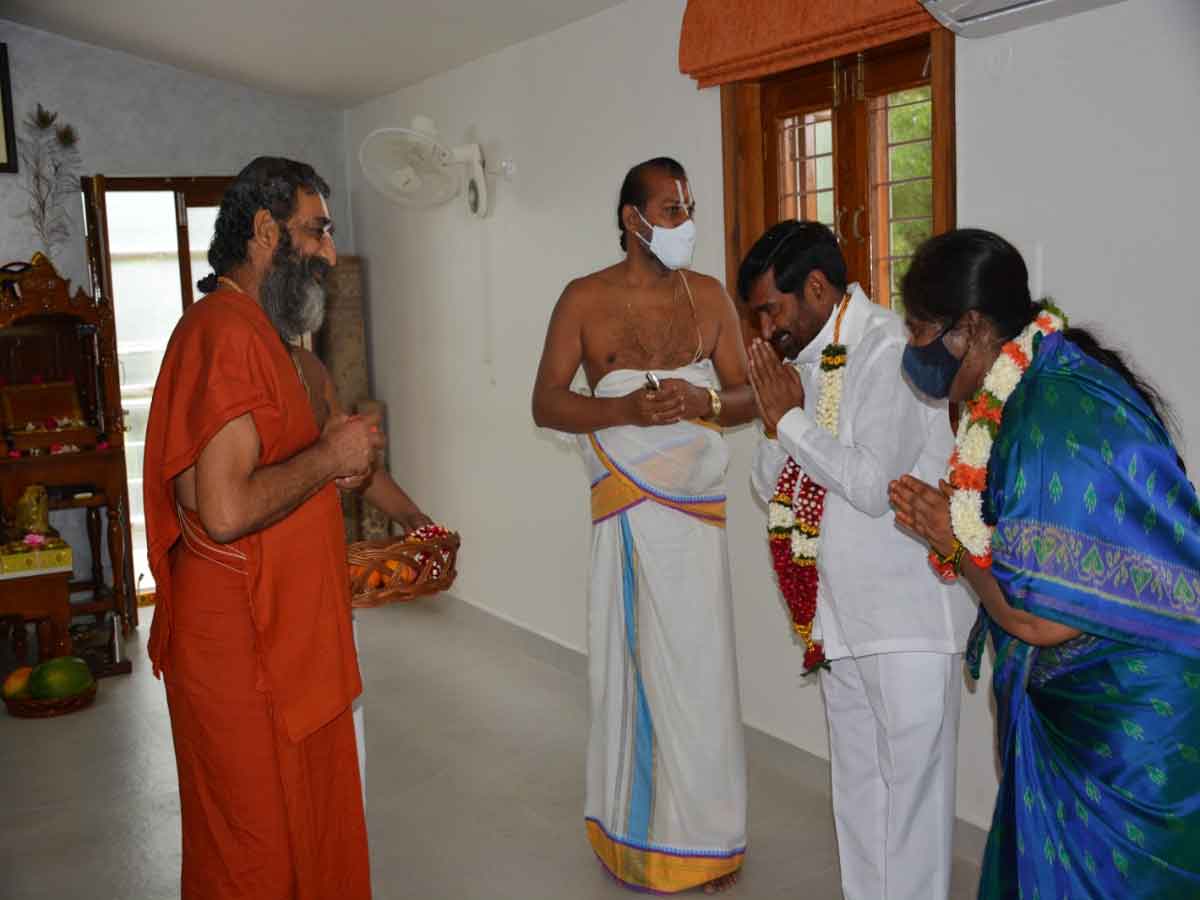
pixel 666 779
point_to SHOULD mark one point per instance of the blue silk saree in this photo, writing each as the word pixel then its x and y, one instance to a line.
pixel 1097 527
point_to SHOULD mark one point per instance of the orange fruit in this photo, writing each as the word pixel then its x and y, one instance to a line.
pixel 17 683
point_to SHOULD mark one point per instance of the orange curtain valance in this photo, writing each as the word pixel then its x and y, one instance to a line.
pixel 731 40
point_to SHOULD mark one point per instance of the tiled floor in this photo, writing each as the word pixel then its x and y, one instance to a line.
pixel 475 743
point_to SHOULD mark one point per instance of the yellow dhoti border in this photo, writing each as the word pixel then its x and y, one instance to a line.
pixel 617 492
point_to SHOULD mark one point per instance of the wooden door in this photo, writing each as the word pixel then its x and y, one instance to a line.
pixel 147 242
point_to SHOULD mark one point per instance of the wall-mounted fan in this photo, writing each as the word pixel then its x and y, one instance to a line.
pixel 412 167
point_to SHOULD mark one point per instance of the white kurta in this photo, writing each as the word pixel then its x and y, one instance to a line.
pixel 893 631
pixel 666 783
pixel 877 593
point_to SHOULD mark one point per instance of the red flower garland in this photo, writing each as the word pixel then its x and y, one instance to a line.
pixel 794 513
pixel 797 575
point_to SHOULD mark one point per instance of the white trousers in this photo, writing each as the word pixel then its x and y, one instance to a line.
pixel 893 731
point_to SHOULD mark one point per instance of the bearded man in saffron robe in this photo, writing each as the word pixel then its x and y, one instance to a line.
pixel 252 630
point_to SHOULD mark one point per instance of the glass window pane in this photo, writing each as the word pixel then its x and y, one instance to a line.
pixel 911 160
pixel 900 160
pixel 824 172
pixel 914 95
pixel 912 199
pixel 907 236
pixel 133 461
pixel 805 173
pixel 899 267
pixel 135 500
pixel 147 302
pixel 137 414
pixel 824 138
pixel 910 123
pixel 825 207
pixel 202 222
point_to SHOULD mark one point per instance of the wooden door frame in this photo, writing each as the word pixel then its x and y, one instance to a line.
pixel 203 190
pixel 200 190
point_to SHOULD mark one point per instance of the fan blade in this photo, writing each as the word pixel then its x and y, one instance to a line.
pixel 405 180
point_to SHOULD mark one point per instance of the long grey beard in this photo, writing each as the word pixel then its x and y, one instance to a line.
pixel 292 299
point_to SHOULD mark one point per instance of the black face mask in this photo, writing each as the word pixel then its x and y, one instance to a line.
pixel 932 368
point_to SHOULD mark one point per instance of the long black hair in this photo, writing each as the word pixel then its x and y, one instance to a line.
pixel 969 268
pixel 268 182
pixel 793 249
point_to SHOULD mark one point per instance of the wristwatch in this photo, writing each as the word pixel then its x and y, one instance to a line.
pixel 715 399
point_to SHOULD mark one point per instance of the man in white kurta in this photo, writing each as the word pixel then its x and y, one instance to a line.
pixel 893 633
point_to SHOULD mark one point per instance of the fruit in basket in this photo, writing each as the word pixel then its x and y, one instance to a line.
pixel 17 683
pixel 416 563
pixel 64 676
pixel 406 573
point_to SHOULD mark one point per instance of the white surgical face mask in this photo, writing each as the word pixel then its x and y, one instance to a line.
pixel 672 246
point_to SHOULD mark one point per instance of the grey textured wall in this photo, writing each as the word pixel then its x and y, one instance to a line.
pixel 136 117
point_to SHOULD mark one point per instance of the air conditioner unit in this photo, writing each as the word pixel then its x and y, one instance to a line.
pixel 981 18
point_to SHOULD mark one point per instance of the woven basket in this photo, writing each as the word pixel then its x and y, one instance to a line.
pixel 28 708
pixel 395 571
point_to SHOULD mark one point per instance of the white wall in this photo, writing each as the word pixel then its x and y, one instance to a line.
pixel 136 117
pixel 1053 149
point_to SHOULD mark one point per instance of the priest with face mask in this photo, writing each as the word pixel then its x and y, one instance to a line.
pixel 662 351
pixel 882 634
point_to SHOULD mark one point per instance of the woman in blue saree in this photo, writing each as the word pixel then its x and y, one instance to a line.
pixel 1092 591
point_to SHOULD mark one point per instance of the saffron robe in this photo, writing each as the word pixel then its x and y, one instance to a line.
pixel 253 638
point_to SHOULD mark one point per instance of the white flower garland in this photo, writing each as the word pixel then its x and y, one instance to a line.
pixel 977 431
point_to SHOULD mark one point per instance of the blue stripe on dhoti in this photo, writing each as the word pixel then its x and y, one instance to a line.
pixel 641 798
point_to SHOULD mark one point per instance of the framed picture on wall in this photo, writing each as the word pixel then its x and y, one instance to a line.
pixel 8 135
